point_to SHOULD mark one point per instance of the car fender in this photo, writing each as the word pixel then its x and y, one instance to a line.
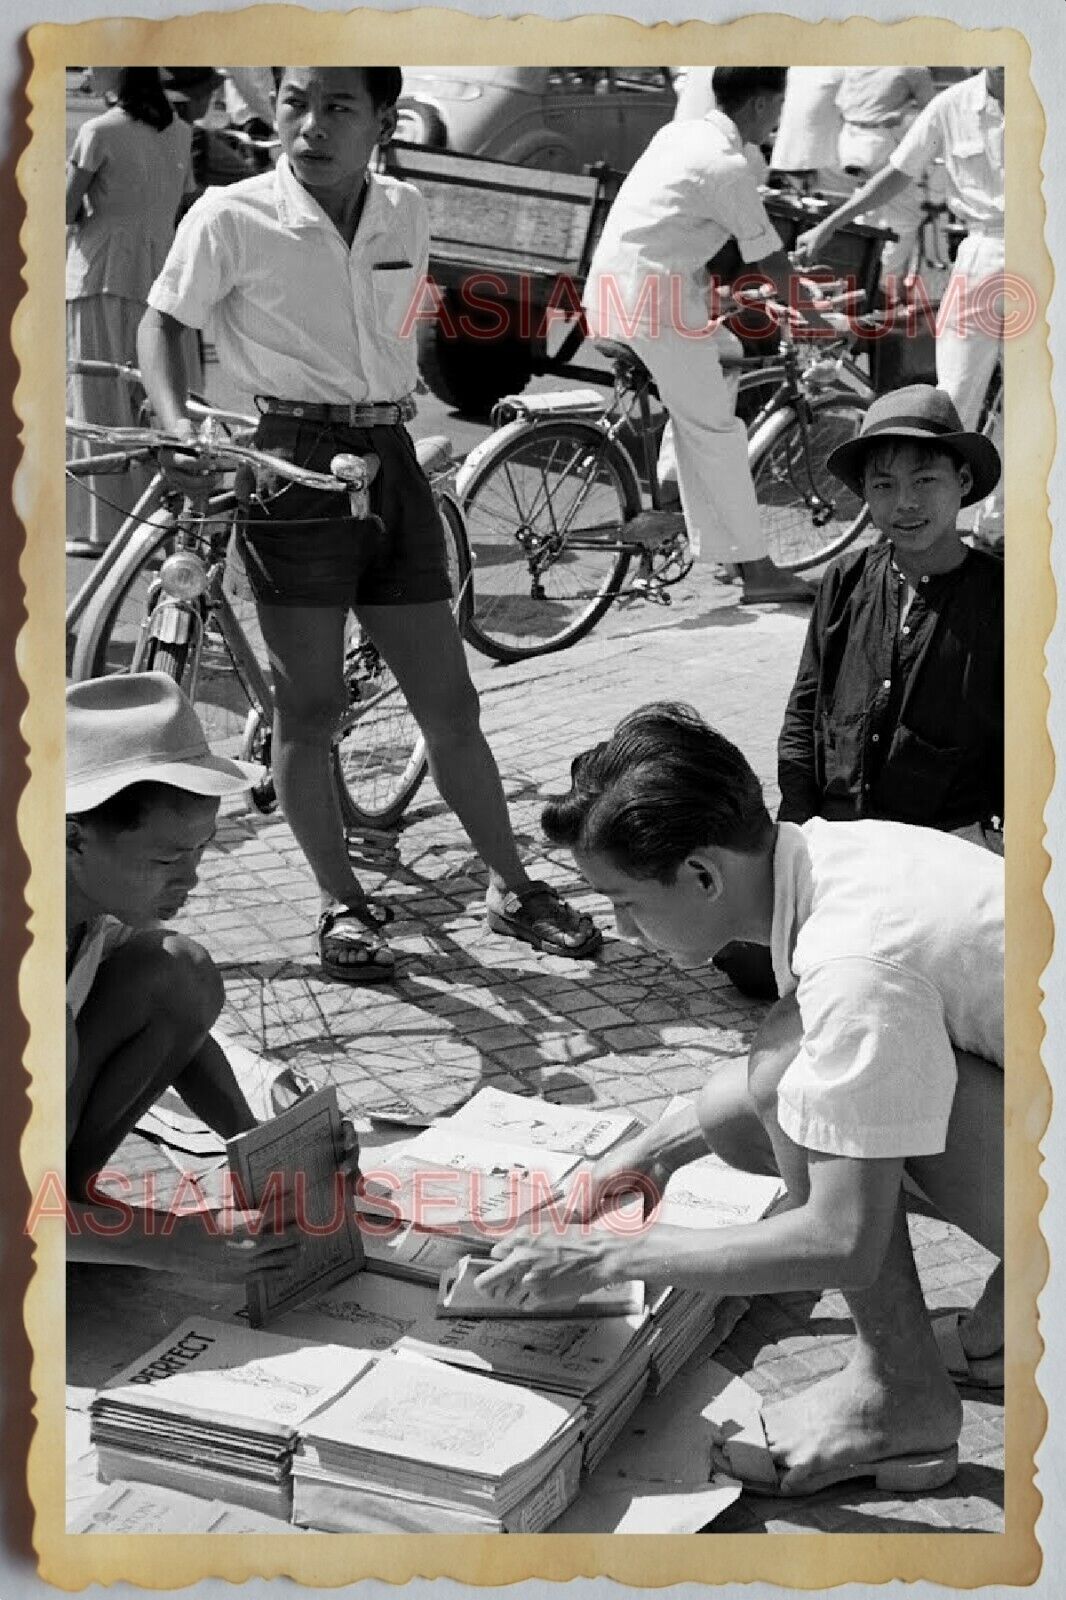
pixel 535 144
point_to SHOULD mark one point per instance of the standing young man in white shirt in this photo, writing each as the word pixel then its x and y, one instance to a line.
pixel 691 192
pixel 962 127
pixel 306 274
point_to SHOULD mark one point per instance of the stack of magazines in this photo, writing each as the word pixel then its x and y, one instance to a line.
pixel 705 1194
pixel 601 1361
pixel 416 1447
pixel 215 1409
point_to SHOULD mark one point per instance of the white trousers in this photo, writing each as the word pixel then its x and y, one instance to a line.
pixel 966 351
pixel 868 150
pixel 709 442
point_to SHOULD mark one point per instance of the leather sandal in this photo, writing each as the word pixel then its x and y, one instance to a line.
pixel 969 1372
pixel 366 946
pixel 538 915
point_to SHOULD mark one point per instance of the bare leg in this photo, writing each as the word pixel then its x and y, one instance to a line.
pixel 306 648
pixel 422 646
pixel 894 1397
pixel 144 1027
pixel 975 1145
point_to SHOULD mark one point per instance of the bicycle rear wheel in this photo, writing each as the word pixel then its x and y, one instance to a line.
pixel 545 507
pixel 379 755
pixel 808 514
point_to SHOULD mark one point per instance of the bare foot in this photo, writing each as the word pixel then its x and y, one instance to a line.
pixel 861 1414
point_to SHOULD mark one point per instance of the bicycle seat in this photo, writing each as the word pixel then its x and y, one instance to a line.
pixel 434 454
pixel 622 355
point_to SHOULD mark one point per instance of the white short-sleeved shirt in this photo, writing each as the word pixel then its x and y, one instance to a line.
pixel 293 312
pixel 810 120
pixel 691 191
pixel 891 938
pixel 963 126
pixel 877 97
pixel 139 176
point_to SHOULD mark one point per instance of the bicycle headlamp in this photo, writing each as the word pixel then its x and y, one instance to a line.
pixel 183 575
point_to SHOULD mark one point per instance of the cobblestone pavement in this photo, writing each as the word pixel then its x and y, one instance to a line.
pixel 471 1008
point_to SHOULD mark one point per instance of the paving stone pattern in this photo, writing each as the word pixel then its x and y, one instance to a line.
pixel 471 1008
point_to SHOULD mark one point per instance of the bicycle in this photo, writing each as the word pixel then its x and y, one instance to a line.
pixel 166 596
pixel 554 508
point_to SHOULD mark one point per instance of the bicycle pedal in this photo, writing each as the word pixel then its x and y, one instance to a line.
pixel 653 528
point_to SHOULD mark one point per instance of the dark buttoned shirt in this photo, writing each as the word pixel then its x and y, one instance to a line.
pixel 898 719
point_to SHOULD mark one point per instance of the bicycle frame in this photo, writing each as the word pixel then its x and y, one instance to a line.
pixel 634 389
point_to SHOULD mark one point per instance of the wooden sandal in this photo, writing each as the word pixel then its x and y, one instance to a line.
pixel 746 1457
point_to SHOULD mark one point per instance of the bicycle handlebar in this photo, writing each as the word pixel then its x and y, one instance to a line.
pixel 350 474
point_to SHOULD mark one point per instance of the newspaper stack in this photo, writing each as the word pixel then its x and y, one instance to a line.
pixel 214 1410
pixel 496 1160
pixel 705 1194
pixel 601 1361
pixel 415 1447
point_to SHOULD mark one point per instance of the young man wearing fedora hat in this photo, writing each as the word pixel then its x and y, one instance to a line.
pixel 897 707
pixel 142 797
pixel 882 1063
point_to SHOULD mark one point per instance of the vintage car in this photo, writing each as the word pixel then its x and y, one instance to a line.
pixel 561 119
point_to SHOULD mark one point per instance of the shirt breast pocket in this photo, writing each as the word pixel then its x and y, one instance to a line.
pixel 970 160
pixel 393 286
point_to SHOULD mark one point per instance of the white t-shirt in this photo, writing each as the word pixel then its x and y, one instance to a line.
pixel 293 312
pixel 891 938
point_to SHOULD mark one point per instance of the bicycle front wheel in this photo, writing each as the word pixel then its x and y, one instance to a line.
pixel 808 515
pixel 545 507
pixel 379 754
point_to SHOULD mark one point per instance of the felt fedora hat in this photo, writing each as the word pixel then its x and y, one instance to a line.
pixel 918 412
pixel 140 728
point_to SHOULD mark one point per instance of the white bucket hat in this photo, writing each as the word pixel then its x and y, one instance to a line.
pixel 140 728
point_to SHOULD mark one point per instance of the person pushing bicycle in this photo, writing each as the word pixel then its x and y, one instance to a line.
pixel 306 274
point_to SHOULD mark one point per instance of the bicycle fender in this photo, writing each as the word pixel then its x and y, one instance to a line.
pixel 142 545
pixel 528 425
pixel 488 445
pixel 771 429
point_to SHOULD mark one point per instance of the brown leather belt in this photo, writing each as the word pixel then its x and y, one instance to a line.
pixel 358 414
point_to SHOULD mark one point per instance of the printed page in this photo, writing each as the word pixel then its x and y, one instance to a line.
pixel 220 1371
pixel 554 1353
pixel 583 1131
pixel 424 1412
pixel 365 1312
pixel 301 1143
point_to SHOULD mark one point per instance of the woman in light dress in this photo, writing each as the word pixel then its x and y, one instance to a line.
pixel 127 173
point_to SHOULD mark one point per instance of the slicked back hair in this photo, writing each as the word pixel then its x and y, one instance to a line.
pixel 734 85
pixel 662 786
pixel 384 85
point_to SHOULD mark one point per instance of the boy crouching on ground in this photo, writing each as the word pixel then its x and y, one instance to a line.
pixel 142 797
pixel 883 1058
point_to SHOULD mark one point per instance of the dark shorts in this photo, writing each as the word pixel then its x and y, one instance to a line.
pixel 301 547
